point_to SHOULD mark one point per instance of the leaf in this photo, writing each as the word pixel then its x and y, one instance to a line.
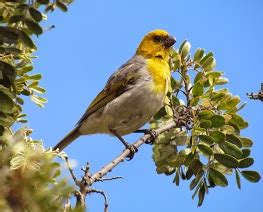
pixel 35 77
pixel 194 183
pixel 209 63
pixel 35 14
pixel 246 153
pixel 234 140
pixel 205 114
pixel 238 179
pixel 226 160
pixel 26 40
pixel 61 6
pixel 206 139
pixel 184 49
pixel 217 177
pixel 239 121
pixel 43 1
pixel 201 195
pixel 198 54
pixel 246 142
pixel 205 124
pixel 15 19
pixel 198 89
pixel 251 176
pixel 206 150
pixel 245 163
pixel 8 35
pixel 233 102
pixel 33 27
pixel 205 58
pixel 221 81
pixel 6 103
pixel 218 136
pixel 218 121
pixel 231 149
pixel 9 71
pixel 198 77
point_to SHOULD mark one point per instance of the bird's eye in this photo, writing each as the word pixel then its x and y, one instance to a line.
pixel 157 39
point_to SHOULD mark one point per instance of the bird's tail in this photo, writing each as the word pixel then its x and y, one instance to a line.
pixel 71 136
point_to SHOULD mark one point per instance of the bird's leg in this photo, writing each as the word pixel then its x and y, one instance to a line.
pixel 152 133
pixel 133 149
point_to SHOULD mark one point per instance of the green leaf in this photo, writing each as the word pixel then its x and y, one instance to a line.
pixel 43 1
pixel 221 81
pixel 188 160
pixel 238 179
pixel 246 153
pixel 246 162
pixel 198 54
pixel 209 63
pixel 35 14
pixel 35 77
pixel 6 103
pixel 205 58
pixel 184 49
pixel 205 124
pixel 206 139
pixel 61 6
pixel 218 136
pixel 246 142
pixel 206 150
pixel 8 35
pixel 226 160
pixel 201 195
pixel 217 177
pixel 239 121
pixel 9 71
pixel 205 114
pixel 198 77
pixel 231 149
pixel 251 176
pixel 26 40
pixel 233 102
pixel 198 89
pixel 218 121
pixel 33 27
pixel 234 140
pixel 194 183
pixel 15 19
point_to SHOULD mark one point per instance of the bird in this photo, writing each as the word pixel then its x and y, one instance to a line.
pixel 132 95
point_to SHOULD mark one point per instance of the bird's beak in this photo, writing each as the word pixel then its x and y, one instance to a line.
pixel 169 41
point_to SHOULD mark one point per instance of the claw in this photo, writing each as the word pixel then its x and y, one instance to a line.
pixel 133 149
pixel 152 133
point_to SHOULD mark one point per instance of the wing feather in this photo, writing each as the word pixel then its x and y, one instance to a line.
pixel 118 83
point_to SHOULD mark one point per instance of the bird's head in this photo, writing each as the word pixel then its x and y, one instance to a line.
pixel 157 44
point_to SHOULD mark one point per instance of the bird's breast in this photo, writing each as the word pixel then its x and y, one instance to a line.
pixel 160 72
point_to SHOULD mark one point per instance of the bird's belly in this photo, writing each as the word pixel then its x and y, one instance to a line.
pixel 126 113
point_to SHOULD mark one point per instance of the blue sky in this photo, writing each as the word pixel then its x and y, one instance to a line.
pixel 94 38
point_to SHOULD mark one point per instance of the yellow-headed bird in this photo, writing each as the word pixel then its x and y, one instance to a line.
pixel 132 95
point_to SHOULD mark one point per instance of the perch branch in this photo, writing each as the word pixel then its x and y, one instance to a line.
pixel 108 167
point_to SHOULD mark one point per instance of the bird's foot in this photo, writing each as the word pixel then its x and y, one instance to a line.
pixel 152 133
pixel 133 149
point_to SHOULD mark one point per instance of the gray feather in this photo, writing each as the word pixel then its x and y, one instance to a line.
pixel 70 137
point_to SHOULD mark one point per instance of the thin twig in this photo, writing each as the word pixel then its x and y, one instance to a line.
pixel 108 179
pixel 106 204
pixel 71 172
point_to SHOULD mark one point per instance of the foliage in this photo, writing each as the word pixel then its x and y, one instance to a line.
pixel 210 145
pixel 28 174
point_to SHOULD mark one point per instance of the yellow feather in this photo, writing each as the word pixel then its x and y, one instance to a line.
pixel 160 71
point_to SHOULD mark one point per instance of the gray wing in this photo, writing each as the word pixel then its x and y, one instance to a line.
pixel 119 82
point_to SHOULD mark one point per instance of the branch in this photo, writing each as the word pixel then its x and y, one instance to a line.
pixel 108 167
